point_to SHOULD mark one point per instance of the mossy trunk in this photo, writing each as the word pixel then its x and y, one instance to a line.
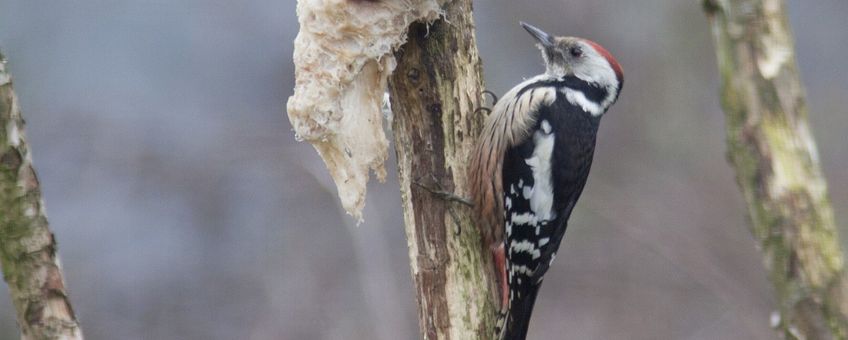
pixel 434 93
pixel 777 167
pixel 27 247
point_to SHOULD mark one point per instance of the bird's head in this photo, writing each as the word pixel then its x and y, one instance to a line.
pixel 582 58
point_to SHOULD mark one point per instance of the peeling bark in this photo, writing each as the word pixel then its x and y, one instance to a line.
pixel 27 247
pixel 777 167
pixel 435 90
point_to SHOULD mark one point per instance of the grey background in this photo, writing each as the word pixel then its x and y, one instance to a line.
pixel 185 209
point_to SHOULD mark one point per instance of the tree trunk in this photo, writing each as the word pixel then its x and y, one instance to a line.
pixel 434 93
pixel 777 167
pixel 27 247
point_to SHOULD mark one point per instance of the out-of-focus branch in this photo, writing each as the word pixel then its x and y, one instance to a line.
pixel 27 247
pixel 777 166
pixel 435 90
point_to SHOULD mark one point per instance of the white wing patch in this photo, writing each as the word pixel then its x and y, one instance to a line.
pixel 541 194
pixel 527 192
pixel 525 246
pixel 546 127
pixel 521 269
pixel 524 219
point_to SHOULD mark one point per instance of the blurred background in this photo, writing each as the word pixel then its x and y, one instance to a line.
pixel 184 208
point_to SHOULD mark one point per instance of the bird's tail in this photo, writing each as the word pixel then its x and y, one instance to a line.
pixel 514 323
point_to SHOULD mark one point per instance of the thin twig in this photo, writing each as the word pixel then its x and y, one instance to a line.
pixel 493 95
pixel 445 195
pixel 483 108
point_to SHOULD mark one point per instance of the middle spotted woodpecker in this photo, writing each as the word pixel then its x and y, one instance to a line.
pixel 532 161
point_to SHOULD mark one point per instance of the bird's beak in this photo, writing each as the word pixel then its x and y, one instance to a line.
pixel 545 39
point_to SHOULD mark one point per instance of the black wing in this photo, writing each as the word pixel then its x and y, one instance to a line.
pixel 531 242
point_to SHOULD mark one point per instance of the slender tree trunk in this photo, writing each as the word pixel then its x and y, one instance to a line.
pixel 434 92
pixel 777 167
pixel 27 247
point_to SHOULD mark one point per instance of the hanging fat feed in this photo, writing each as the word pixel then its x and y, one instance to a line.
pixel 343 56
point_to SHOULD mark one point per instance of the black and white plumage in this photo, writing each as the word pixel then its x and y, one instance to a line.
pixel 533 160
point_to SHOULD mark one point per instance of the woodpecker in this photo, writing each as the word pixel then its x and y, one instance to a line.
pixel 531 163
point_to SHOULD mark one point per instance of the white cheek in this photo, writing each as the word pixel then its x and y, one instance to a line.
pixel 596 70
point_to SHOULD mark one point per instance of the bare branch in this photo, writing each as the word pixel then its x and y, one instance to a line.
pixel 27 247
pixel 777 166
pixel 434 91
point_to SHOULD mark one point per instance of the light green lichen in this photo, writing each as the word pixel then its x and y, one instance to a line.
pixel 27 248
pixel 771 148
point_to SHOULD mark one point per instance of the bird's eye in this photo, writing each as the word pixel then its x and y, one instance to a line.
pixel 576 51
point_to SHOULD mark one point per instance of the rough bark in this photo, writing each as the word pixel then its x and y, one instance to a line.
pixel 434 92
pixel 777 167
pixel 27 247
